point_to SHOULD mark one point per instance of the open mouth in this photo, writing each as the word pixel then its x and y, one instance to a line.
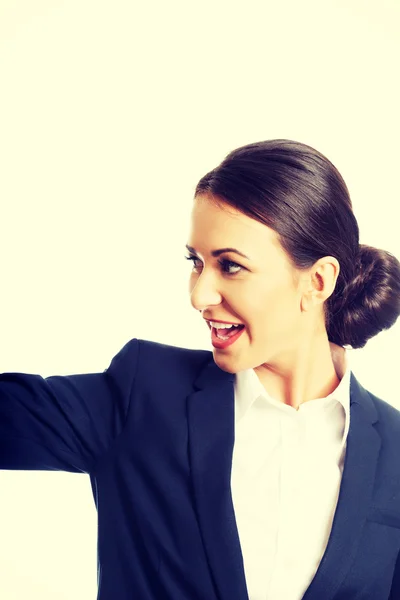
pixel 223 333
pixel 222 337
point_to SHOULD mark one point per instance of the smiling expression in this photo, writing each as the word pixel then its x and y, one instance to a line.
pixel 261 291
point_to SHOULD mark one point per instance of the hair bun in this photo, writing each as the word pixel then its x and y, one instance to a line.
pixel 370 302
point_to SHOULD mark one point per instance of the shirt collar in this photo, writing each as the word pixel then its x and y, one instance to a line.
pixel 248 386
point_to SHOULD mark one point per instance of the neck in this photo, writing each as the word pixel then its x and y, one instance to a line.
pixel 303 374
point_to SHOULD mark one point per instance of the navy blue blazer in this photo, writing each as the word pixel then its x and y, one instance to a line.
pixel 155 433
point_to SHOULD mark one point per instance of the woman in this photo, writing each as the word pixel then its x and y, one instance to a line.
pixel 262 469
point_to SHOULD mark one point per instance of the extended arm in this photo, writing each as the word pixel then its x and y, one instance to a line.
pixel 64 422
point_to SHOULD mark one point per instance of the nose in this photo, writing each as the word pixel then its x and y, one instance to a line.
pixel 203 292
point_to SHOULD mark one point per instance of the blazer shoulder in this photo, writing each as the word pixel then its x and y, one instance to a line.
pixel 386 411
pixel 174 362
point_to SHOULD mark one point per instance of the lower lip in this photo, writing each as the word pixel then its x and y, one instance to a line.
pixel 222 344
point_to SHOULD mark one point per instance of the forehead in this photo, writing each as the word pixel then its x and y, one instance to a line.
pixel 222 224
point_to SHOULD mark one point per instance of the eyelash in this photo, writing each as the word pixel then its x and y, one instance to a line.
pixel 222 262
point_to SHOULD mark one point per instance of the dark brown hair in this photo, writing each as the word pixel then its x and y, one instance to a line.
pixel 296 191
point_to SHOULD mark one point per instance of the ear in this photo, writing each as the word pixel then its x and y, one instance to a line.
pixel 320 282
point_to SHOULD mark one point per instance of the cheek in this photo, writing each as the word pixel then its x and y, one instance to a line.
pixel 269 309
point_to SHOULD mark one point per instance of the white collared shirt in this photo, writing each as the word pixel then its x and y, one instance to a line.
pixel 286 472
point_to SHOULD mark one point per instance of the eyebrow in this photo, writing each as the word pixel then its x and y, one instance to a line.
pixel 220 251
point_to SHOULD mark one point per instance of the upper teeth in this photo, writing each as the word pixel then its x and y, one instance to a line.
pixel 220 325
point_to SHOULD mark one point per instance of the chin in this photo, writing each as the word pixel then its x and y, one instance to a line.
pixel 227 368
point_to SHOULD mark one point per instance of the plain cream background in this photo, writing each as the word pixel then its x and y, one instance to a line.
pixel 110 112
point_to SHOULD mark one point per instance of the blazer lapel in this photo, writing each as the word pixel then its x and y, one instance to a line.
pixel 211 438
pixel 363 445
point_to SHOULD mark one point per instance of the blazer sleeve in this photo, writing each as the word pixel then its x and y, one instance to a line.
pixel 65 423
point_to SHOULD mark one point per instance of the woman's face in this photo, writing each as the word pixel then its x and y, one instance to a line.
pixel 261 291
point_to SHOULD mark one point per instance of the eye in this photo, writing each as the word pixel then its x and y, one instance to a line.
pixel 225 264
